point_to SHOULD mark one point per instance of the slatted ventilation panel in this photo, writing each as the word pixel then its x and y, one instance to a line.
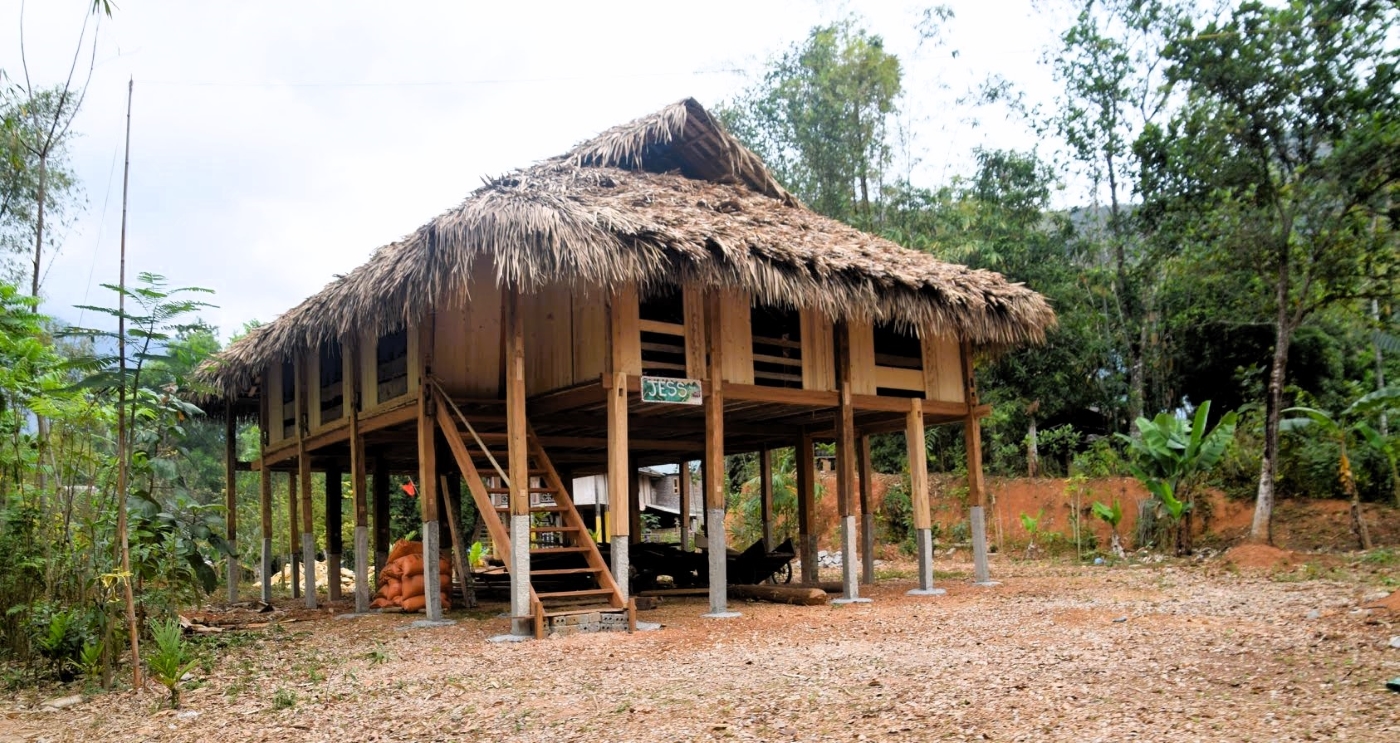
pixel 391 365
pixel 288 409
pixel 777 347
pixel 332 383
pixel 663 333
pixel 899 363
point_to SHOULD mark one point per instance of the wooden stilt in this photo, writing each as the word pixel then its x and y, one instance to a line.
pixel 714 462
pixel 231 497
pixel 428 503
pixel 452 495
pixel 382 534
pixel 265 511
pixel 335 543
pixel 619 492
pixel 765 490
pixel 683 485
pixel 846 468
pixel 806 506
pixel 976 490
pixel 634 503
pixel 294 533
pixel 308 529
pixel 519 463
pixel 358 495
pixel 867 517
pixel 918 496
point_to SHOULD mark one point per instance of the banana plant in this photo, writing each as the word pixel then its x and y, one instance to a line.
pixel 1170 458
pixel 1112 515
pixel 1348 430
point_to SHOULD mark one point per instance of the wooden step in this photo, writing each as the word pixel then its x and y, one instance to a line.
pixel 557 550
pixel 535 509
pixel 575 594
pixel 567 571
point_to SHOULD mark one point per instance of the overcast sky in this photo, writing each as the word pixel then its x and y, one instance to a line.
pixel 277 144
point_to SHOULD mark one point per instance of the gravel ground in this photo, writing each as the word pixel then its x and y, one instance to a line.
pixel 1164 652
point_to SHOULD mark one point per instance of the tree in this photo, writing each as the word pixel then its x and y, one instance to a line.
pixel 819 119
pixel 1348 430
pixel 1284 149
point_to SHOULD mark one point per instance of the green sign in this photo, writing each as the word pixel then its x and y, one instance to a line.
pixel 668 390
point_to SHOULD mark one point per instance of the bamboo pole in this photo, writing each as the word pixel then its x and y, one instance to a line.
pixel 231 496
pixel 123 444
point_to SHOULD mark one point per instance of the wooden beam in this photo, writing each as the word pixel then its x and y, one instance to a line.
pixel 765 490
pixel 265 511
pixel 972 431
pixel 564 401
pixel 428 471
pixel 780 395
pixel 683 487
pixel 634 503
pixel 357 485
pixel 846 463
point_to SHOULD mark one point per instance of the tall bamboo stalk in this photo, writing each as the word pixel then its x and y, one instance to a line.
pixel 122 447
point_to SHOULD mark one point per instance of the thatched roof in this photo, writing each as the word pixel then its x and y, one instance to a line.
pixel 671 196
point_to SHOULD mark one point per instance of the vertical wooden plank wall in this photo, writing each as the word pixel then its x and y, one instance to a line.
pixel 818 359
pixel 736 336
pixel 693 300
pixel 549 346
pixel 590 352
pixel 862 340
pixel 272 410
pixel 943 374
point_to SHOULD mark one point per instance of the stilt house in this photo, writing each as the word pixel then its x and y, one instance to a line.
pixel 654 296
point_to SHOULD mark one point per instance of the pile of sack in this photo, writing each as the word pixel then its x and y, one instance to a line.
pixel 401 580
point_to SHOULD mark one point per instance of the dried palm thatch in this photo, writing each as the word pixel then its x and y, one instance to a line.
pixel 668 198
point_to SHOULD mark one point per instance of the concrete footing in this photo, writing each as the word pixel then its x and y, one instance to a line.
pixel 923 550
pixel 981 572
pixel 432 577
pixel 362 582
pixel 719 572
pixel 308 570
pixel 520 609
pixel 850 565
pixel 267 570
pixel 621 566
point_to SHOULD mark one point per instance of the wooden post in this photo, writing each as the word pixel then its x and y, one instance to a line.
pixel 917 452
pixel 335 495
pixel 846 469
pixel 683 485
pixel 265 511
pixel 519 464
pixel 428 479
pixel 976 491
pixel 714 463
pixel 634 503
pixel 867 518
pixel 294 534
pixel 765 490
pixel 806 507
pixel 308 529
pixel 264 492
pixel 619 514
pixel 231 497
pixel 357 487
pixel 381 515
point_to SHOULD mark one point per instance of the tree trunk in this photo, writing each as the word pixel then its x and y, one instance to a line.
pixel 1358 524
pixel 1262 528
pixel 1032 451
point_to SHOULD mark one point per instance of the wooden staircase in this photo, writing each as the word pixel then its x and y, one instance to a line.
pixel 568 575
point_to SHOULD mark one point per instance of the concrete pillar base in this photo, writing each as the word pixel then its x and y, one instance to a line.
pixel 981 571
pixel 719 573
pixel 923 542
pixel 520 609
pixel 621 566
pixel 721 615
pixel 308 570
pixel 362 582
pixel 267 570
pixel 432 578
pixel 925 592
pixel 850 563
pixel 843 601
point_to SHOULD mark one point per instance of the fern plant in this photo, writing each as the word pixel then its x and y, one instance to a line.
pixel 171 659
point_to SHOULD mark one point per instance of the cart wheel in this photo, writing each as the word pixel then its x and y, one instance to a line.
pixel 782 574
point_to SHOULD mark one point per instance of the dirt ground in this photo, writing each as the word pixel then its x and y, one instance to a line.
pixel 1167 651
